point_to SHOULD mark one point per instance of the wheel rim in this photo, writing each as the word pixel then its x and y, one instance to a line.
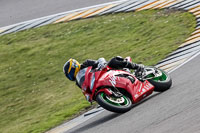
pixel 163 77
pixel 122 101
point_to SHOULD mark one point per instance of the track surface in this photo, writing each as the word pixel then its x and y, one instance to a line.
pixel 174 111
pixel 15 11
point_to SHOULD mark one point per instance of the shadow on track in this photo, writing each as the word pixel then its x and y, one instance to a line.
pixel 108 117
pixel 96 123
pixel 146 99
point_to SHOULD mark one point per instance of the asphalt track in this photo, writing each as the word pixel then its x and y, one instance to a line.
pixel 174 111
pixel 15 11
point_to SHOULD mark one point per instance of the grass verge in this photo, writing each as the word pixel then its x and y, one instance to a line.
pixel 34 93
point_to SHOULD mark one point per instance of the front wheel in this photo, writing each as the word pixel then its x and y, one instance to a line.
pixel 111 103
pixel 162 82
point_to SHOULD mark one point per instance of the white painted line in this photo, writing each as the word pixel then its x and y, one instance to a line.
pixel 198 53
pixel 76 121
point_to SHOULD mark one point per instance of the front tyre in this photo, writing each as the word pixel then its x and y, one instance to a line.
pixel 161 83
pixel 118 105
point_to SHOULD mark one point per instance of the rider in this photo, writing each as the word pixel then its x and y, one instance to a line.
pixel 75 71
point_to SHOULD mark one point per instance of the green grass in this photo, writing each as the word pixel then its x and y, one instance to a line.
pixel 34 93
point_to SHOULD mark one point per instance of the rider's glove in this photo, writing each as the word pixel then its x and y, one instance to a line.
pixel 101 66
pixel 139 70
pixel 101 63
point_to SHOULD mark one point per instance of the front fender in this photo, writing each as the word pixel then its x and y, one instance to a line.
pixel 105 90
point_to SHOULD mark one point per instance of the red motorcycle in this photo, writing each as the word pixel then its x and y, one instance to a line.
pixel 117 90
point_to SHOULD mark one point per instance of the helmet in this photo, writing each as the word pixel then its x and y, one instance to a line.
pixel 71 68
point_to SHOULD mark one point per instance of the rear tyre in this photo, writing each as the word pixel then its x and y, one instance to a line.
pixel 161 83
pixel 117 105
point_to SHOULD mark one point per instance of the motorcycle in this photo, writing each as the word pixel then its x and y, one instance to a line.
pixel 117 90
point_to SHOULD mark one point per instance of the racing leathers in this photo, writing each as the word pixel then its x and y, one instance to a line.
pixel 115 63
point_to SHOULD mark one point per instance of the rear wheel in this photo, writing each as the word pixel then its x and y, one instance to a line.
pixel 111 103
pixel 162 82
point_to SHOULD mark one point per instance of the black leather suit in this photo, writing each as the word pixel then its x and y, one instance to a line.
pixel 115 63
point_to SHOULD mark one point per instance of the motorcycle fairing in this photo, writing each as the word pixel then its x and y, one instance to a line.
pixel 114 78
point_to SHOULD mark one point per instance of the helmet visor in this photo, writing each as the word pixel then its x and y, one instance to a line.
pixel 70 75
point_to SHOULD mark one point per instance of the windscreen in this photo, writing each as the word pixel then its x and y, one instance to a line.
pixel 80 77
